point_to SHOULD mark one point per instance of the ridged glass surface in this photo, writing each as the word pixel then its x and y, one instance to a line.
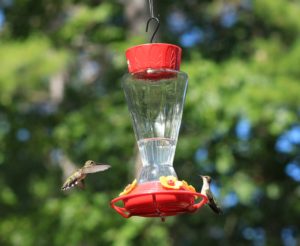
pixel 156 106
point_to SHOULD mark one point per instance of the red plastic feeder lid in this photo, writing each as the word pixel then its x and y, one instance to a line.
pixel 155 56
pixel 151 199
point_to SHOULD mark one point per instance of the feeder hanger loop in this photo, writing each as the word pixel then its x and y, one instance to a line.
pixel 152 17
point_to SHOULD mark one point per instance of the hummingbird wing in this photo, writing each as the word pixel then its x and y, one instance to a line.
pixel 95 168
pixel 212 203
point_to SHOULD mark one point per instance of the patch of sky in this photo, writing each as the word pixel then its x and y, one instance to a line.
pixel 23 135
pixel 292 169
pixel 288 236
pixel 230 200
pixel 293 135
pixel 201 157
pixel 207 167
pixel 285 143
pixel 256 235
pixel 177 22
pixel 191 37
pixel 228 16
pixel 89 70
pixel 201 154
pixel 45 108
pixel 2 18
pixel 215 189
pixel 56 155
pixel 243 129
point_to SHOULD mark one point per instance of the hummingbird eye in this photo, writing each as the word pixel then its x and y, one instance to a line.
pixel 208 178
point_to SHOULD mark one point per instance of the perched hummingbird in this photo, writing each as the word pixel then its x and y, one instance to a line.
pixel 77 178
pixel 207 192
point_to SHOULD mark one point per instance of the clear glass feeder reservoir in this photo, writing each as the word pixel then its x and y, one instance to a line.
pixel 155 99
pixel 155 91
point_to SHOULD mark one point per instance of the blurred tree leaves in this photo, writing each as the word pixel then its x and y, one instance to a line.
pixel 94 23
pixel 26 67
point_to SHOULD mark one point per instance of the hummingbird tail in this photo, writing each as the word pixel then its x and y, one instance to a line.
pixel 215 208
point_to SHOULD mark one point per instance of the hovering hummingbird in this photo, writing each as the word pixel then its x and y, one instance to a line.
pixel 207 192
pixel 77 178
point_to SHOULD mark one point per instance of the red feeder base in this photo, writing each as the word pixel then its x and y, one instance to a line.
pixel 152 200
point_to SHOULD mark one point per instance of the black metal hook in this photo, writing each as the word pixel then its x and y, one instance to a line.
pixel 156 29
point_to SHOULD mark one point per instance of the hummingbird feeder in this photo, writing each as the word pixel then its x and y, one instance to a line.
pixel 155 91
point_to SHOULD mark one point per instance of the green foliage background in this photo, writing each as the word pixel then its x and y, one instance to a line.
pixel 243 69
